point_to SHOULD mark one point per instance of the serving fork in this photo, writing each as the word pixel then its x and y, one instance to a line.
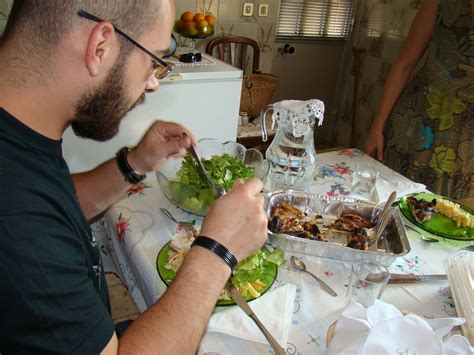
pixel 219 191
pixel 188 226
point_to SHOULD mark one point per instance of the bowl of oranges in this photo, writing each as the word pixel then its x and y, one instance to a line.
pixel 195 26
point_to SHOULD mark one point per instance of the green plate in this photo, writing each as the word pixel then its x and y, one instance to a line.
pixel 269 274
pixel 439 224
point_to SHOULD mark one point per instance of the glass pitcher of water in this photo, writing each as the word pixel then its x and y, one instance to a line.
pixel 291 154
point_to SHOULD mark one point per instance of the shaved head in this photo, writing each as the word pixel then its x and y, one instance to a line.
pixel 44 22
pixel 40 25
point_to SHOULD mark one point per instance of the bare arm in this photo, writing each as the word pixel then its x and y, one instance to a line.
pixel 175 324
pixel 417 40
pixel 101 187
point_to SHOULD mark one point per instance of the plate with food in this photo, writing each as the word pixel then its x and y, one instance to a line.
pixel 252 276
pixel 184 186
pixel 439 215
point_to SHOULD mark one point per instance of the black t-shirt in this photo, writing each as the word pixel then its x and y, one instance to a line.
pixel 53 294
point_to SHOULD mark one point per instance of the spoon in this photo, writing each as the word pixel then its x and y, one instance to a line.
pixel 423 237
pixel 301 266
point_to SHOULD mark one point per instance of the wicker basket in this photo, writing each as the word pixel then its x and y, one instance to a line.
pixel 257 91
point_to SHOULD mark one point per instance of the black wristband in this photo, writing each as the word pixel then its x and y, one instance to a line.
pixel 130 175
pixel 218 249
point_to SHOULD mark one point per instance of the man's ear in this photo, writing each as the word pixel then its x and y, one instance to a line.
pixel 100 48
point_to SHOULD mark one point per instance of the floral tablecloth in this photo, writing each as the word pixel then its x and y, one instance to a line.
pixel 134 230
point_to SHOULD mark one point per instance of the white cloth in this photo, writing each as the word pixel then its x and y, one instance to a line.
pixel 383 329
pixel 298 116
pixel 144 231
pixel 273 309
pixel 384 188
pixel 389 181
pixel 334 170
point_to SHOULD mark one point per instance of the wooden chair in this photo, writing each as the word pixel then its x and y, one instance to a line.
pixel 233 50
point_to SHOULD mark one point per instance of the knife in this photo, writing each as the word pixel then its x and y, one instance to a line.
pixel 410 278
pixel 242 303
pixel 217 189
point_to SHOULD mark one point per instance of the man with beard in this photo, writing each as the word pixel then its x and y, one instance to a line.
pixel 61 65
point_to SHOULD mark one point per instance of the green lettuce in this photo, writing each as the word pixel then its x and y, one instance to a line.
pixel 224 170
pixel 254 267
pixel 192 191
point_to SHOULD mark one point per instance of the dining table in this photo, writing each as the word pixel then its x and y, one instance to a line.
pixel 134 230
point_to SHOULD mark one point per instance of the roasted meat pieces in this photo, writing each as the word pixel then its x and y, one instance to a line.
pixel 358 241
pixel 420 209
pixel 353 222
pixel 288 219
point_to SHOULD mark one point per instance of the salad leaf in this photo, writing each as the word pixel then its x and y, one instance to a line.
pixel 254 267
pixel 224 170
pixel 192 191
pixel 276 257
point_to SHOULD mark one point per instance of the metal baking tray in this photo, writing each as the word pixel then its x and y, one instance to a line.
pixel 393 243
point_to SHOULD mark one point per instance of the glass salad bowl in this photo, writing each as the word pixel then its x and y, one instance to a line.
pixel 182 184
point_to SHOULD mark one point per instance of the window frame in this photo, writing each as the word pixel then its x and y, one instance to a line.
pixel 324 19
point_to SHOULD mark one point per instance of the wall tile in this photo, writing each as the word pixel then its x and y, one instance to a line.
pixel 185 5
pixel 208 7
pixel 370 69
pixel 273 8
pixel 391 48
pixel 407 20
pixel 230 22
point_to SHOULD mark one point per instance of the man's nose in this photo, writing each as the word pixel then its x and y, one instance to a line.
pixel 152 84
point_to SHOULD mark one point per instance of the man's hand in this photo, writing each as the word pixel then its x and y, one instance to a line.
pixel 374 144
pixel 237 220
pixel 162 140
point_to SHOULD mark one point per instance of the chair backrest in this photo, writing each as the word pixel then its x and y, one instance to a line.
pixel 233 50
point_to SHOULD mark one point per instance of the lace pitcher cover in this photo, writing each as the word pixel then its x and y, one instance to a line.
pixel 297 116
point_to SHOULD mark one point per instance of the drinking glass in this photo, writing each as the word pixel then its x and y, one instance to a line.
pixel 363 181
pixel 367 282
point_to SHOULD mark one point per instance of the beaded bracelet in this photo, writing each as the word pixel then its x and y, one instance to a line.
pixel 218 249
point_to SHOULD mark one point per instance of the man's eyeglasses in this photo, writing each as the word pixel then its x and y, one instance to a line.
pixel 162 69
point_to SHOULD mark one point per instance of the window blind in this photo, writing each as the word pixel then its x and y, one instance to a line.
pixel 314 20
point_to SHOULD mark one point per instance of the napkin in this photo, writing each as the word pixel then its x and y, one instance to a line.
pixel 460 270
pixel 274 309
pixel 383 329
pixel 385 186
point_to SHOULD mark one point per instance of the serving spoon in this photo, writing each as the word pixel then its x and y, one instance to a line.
pixel 298 264
pixel 384 218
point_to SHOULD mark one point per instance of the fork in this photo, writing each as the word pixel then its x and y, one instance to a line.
pixel 188 226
